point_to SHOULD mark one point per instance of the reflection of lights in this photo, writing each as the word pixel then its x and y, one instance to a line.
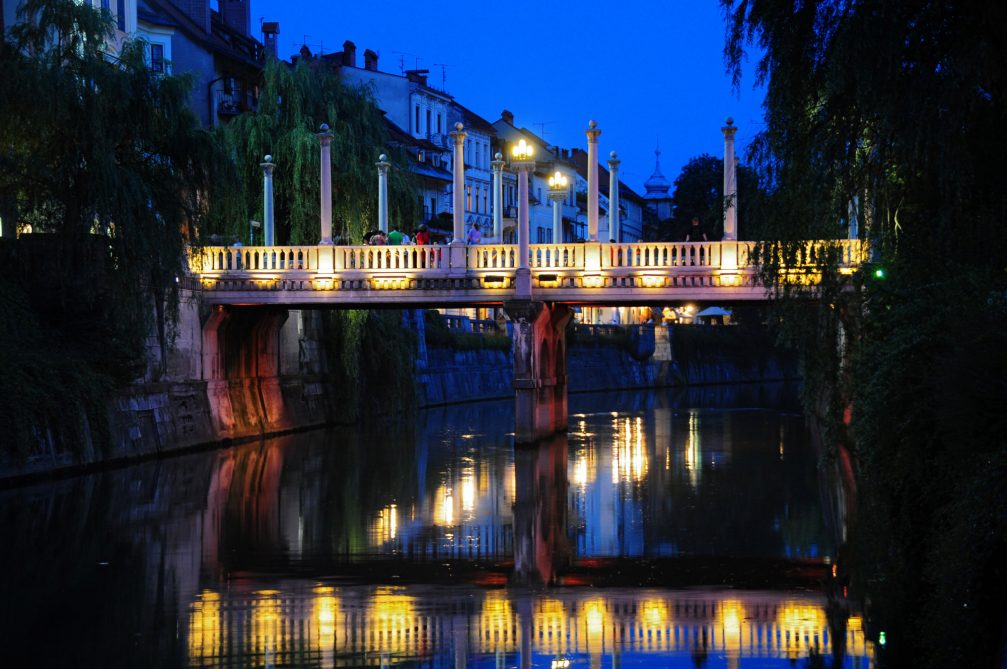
pixel 693 450
pixel 468 486
pixel 732 613
pixel 593 612
pixel 580 472
pixel 560 663
pixel 628 453
pixel 204 626
pixel 654 613
pixel 325 606
pixel 386 525
pixel 444 511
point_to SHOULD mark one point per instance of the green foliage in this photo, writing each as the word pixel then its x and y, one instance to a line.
pixel 98 146
pixel 439 335
pixel 699 191
pixel 886 109
pixel 376 356
pixel 293 103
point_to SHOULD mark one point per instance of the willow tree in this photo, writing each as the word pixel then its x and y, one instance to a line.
pixel 103 154
pixel 294 101
pixel 893 111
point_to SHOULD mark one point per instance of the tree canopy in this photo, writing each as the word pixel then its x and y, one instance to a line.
pixel 293 102
pixel 893 109
pixel 699 191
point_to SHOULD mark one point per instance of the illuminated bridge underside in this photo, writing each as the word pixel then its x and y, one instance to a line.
pixel 644 273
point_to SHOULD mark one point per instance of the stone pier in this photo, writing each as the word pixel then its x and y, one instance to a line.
pixel 540 409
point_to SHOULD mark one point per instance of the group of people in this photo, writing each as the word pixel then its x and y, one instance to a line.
pixel 420 238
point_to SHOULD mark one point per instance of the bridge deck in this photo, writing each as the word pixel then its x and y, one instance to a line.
pixel 593 273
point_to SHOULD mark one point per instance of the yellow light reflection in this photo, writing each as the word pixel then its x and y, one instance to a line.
pixel 468 485
pixel 444 507
pixel 593 615
pixel 391 618
pixel 204 627
pixel 732 614
pixel 326 609
pixel 654 614
pixel 629 457
pixel 693 450
pixel 386 525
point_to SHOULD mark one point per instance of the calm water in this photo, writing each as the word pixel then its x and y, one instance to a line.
pixel 665 529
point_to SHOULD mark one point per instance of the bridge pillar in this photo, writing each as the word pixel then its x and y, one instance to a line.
pixel 540 408
pixel 730 183
pixel 241 366
pixel 592 181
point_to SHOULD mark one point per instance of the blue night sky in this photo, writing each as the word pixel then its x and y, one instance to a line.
pixel 645 70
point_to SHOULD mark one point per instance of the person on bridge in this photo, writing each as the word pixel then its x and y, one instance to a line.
pixel 422 236
pixel 395 237
pixel 696 232
pixel 474 237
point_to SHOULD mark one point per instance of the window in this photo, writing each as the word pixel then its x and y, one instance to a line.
pixel 416 121
pixel 468 198
pixel 439 130
pixel 428 122
pixel 468 151
pixel 120 15
pixel 157 58
pixel 486 208
pixel 478 162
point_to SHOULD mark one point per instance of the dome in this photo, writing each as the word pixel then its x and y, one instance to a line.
pixel 657 185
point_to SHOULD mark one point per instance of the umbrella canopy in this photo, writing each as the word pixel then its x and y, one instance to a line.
pixel 713 311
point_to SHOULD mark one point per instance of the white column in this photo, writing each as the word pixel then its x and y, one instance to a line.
pixel 325 138
pixel 614 220
pixel 592 181
pixel 268 230
pixel 557 214
pixel 522 279
pixel 730 183
pixel 853 214
pixel 458 197
pixel 497 166
pixel 383 166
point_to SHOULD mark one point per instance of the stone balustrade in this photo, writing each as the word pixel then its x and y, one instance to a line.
pixel 573 273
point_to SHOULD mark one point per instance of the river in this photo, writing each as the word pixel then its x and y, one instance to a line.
pixel 665 529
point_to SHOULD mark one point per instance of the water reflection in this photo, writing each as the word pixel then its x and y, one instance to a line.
pixel 327 626
pixel 294 551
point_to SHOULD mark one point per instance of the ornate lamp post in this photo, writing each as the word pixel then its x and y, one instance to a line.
pixel 592 181
pixel 325 141
pixel 557 191
pixel 523 163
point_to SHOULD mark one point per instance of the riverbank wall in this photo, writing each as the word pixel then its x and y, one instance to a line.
pixel 232 374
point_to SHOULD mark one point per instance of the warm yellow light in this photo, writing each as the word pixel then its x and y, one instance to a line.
pixel 652 281
pixel 732 613
pixel 523 150
pixel 593 280
pixel 558 181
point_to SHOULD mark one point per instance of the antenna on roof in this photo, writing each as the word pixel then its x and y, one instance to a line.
pixel 444 76
pixel 402 60
pixel 541 127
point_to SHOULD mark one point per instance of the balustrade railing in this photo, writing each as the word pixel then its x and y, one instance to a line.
pixel 619 258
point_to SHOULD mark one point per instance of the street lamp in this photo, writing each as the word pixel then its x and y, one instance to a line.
pixel 522 163
pixel 557 191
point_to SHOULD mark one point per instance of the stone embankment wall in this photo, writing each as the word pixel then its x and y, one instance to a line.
pixel 236 374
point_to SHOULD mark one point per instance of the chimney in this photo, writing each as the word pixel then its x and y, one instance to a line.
pixel 417 76
pixel 507 116
pixel 236 15
pixel 370 61
pixel 270 37
pixel 349 54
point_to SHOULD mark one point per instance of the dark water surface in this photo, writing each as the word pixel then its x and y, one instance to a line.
pixel 666 529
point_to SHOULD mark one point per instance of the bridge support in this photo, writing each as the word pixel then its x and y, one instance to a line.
pixel 539 369
pixel 241 366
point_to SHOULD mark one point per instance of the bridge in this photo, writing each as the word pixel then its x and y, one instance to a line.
pixel 536 284
pixel 459 275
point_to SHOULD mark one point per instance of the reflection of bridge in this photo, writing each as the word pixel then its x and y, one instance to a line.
pixel 585 273
pixel 348 626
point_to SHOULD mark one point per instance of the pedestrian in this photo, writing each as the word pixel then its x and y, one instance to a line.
pixel 474 237
pixel 395 237
pixel 696 232
pixel 422 235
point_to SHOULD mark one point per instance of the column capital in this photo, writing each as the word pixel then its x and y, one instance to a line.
pixel 267 165
pixel 498 162
pixel 557 195
pixel 593 131
pixel 729 130
pixel 324 134
pixel 613 162
pixel 523 165
pixel 383 165
pixel 459 134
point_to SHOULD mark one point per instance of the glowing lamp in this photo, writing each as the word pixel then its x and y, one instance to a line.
pixel 523 151
pixel 558 181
